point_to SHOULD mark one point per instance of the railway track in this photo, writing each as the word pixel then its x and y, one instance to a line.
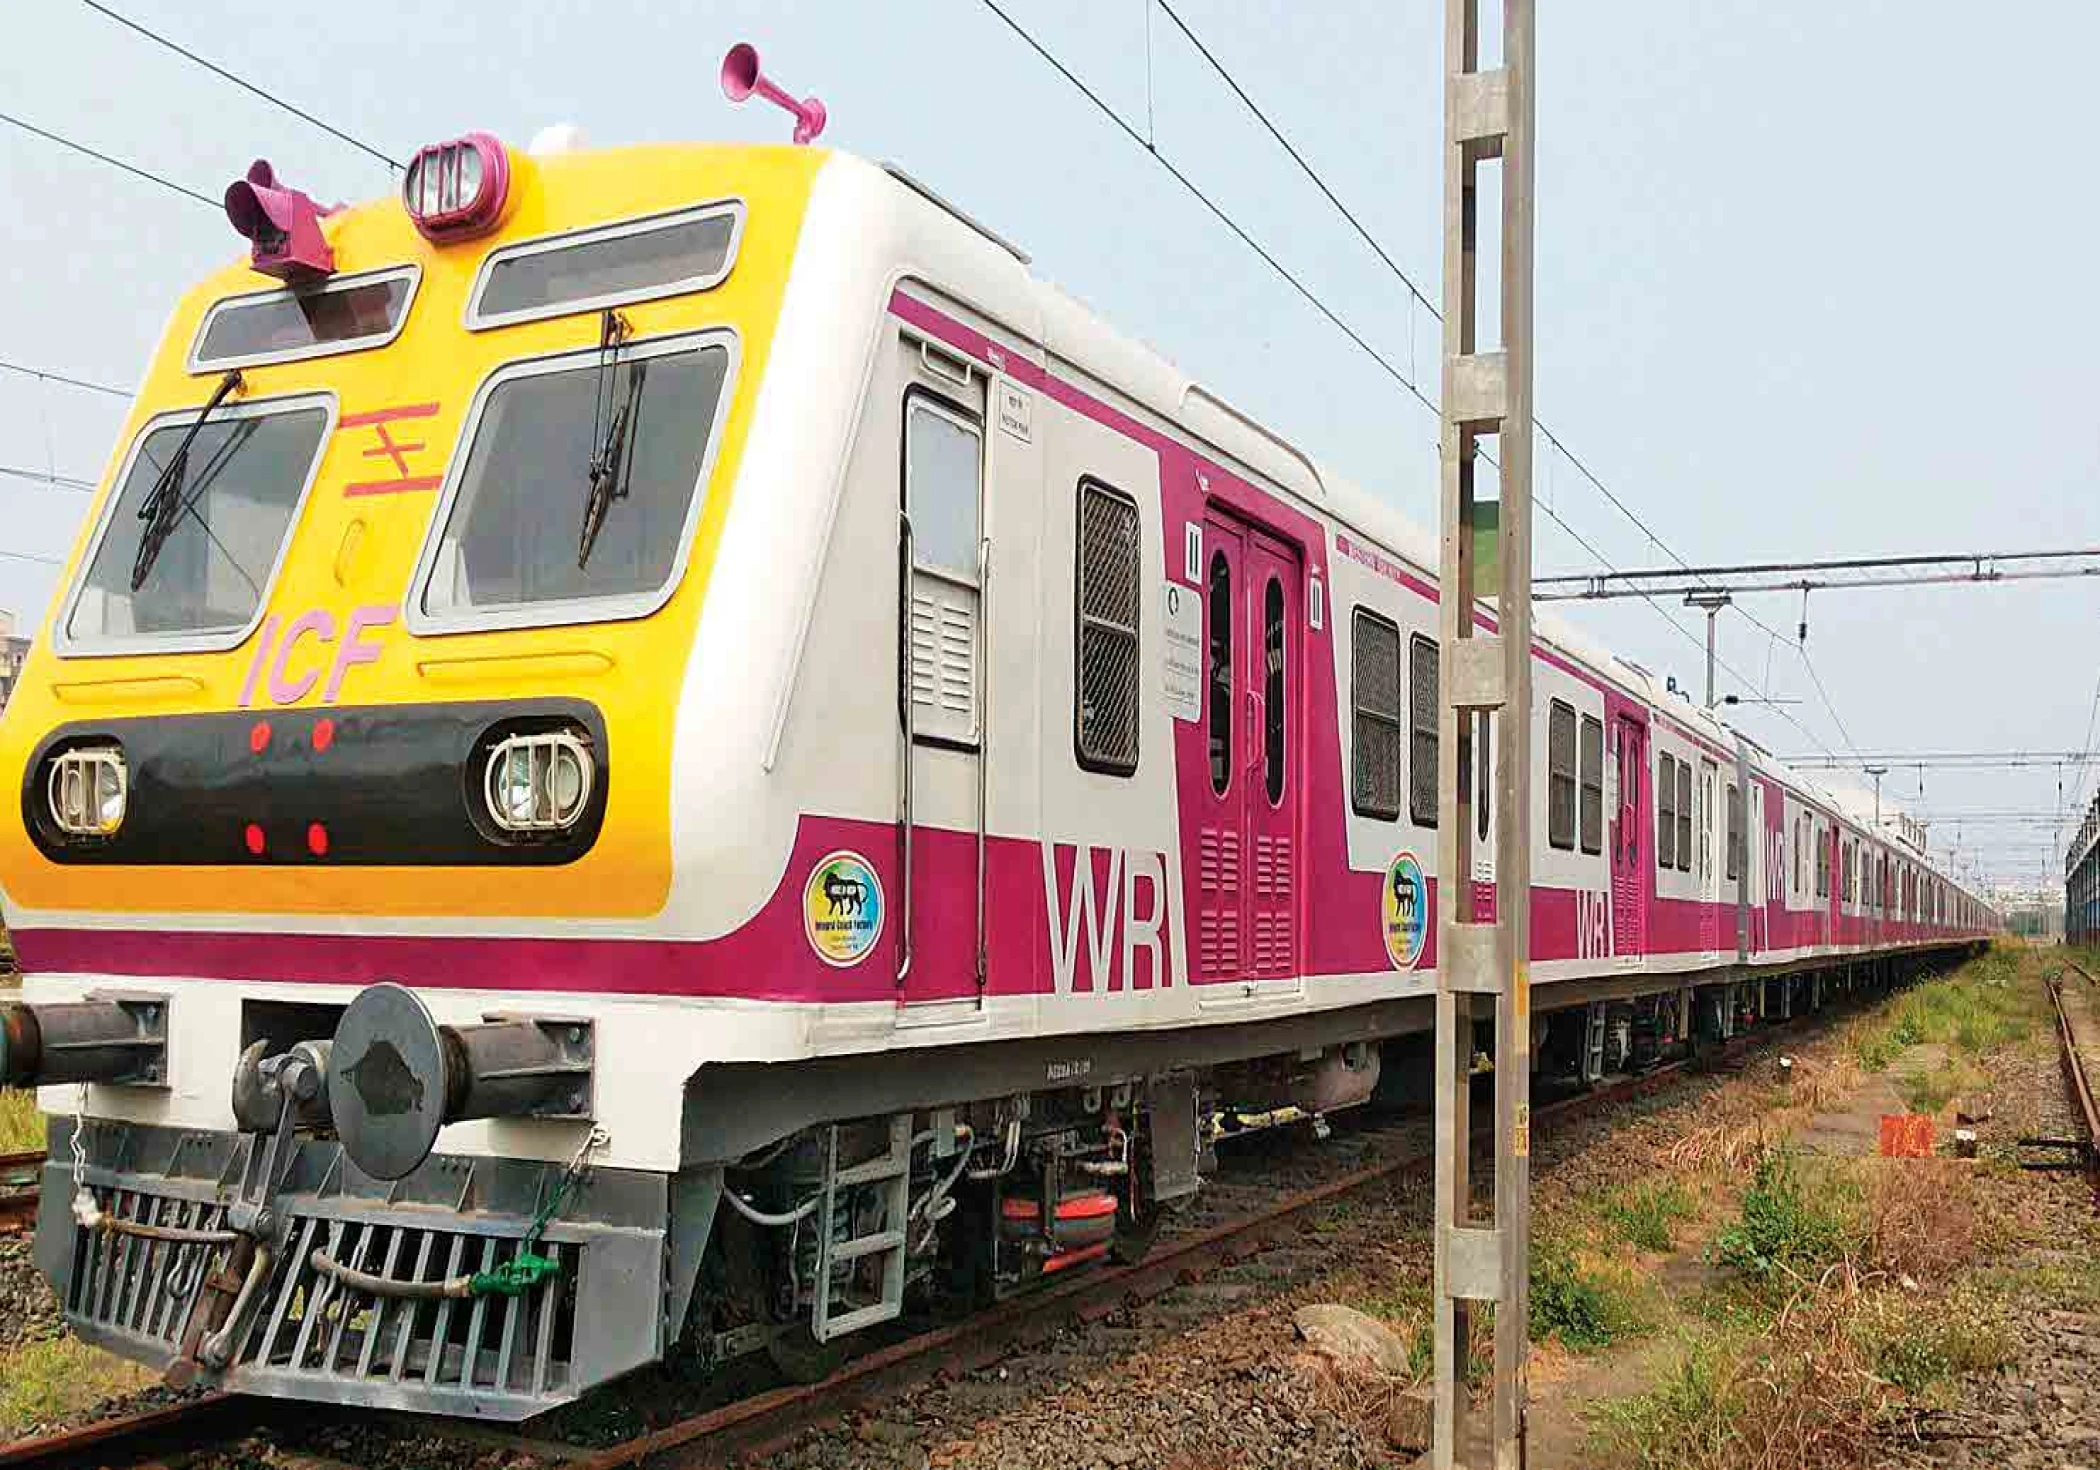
pixel 18 1189
pixel 770 1420
pixel 2081 1060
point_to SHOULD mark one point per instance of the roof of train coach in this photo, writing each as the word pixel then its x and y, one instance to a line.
pixel 999 277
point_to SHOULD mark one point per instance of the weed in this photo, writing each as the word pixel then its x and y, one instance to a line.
pixel 1802 1392
pixel 1687 1418
pixel 1578 1306
pixel 1916 1341
pixel 21 1125
pixel 1791 1228
pixel 1922 1219
pixel 41 1381
pixel 1646 1217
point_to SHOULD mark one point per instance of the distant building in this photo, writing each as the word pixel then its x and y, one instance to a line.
pixel 14 652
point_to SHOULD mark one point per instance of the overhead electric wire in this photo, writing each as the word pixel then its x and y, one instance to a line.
pixel 71 382
pixel 1313 174
pixel 46 477
pixel 242 82
pixel 1298 158
pixel 1327 311
pixel 1216 209
pixel 101 157
pixel 49 561
pixel 1332 316
pixel 2077 805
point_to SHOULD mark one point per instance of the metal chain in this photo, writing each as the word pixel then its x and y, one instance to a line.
pixel 572 1174
pixel 84 1208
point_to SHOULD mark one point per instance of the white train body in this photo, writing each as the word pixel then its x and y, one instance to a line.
pixel 1048 729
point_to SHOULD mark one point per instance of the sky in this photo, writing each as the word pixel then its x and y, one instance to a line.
pixel 1809 280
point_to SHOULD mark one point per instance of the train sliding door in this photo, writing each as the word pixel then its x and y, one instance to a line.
pixel 1629 845
pixel 942 557
pixel 1250 872
pixel 1708 865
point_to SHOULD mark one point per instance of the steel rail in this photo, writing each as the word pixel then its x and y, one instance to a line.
pixel 18 1202
pixel 2075 1077
pixel 156 1434
pixel 767 1422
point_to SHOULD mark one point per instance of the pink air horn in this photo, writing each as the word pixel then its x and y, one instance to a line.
pixel 741 77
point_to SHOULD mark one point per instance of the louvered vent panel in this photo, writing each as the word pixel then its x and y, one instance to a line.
pixel 943 658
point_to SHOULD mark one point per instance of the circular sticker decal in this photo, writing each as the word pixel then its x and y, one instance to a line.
pixel 1404 911
pixel 842 908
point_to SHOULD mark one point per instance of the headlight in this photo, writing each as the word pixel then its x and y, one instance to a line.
pixel 88 791
pixel 539 783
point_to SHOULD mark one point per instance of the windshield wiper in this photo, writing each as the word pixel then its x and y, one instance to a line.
pixel 163 506
pixel 610 471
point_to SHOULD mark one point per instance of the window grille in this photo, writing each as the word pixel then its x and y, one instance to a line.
pixel 1422 676
pixel 1377 726
pixel 1592 784
pixel 1684 816
pixel 1106 719
pixel 1560 776
pixel 1665 813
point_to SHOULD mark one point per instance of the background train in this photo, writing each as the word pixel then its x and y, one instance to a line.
pixel 654 752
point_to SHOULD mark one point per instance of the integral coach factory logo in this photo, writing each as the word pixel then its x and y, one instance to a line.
pixel 1404 908
pixel 842 908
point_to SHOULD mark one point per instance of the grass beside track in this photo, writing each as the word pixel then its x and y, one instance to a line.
pixel 52 1380
pixel 1840 1292
pixel 21 1125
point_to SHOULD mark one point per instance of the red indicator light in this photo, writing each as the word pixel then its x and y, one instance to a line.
pixel 324 735
pixel 259 737
pixel 254 837
pixel 317 839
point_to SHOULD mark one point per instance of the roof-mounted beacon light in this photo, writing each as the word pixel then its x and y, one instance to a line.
pixel 282 225
pixel 741 77
pixel 456 190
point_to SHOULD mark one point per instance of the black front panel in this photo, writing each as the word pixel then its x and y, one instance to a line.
pixel 346 785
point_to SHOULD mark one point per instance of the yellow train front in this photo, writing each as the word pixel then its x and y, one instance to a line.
pixel 370 664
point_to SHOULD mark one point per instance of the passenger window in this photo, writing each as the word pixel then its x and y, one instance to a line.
pixel 943 489
pixel 1592 785
pixel 529 535
pixel 1684 816
pixel 1483 766
pixel 1272 698
pixel 1107 717
pixel 634 260
pixel 1422 676
pixel 1665 813
pixel 1220 673
pixel 1560 776
pixel 1376 726
pixel 1735 832
pixel 943 477
pixel 1706 818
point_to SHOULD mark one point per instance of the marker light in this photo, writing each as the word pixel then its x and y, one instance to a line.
pixel 88 790
pixel 538 783
pixel 456 190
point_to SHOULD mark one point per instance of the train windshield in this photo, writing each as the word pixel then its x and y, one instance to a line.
pixel 580 488
pixel 226 508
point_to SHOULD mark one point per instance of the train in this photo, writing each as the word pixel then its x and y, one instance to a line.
pixel 659 753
